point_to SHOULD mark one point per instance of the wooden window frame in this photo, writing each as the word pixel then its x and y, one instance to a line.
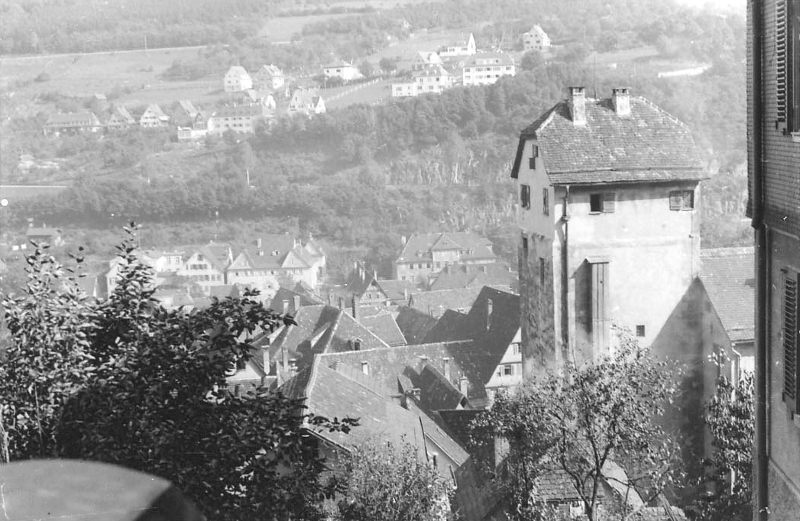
pixel 525 196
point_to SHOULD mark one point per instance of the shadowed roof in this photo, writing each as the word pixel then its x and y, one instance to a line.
pixel 728 276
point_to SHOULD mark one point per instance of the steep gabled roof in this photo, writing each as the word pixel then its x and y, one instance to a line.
pixel 321 329
pixel 728 276
pixel 237 70
pixel 437 392
pixel 452 325
pixel 384 327
pixel 285 294
pixel 435 303
pixel 647 145
pixel 414 324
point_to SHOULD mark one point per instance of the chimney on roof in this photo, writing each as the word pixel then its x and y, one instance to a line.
pixel 416 393
pixel 341 302
pixel 330 299
pixel 258 243
pixel 285 359
pixel 295 303
pixel 489 306
pixel 403 239
pixel 354 306
pixel 463 386
pixel 621 99
pixel 265 360
pixel 285 306
pixel 577 105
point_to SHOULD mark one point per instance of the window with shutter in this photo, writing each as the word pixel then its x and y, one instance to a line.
pixel 609 202
pixel 545 201
pixel 787 63
pixel 790 335
pixel 525 196
pixel 675 200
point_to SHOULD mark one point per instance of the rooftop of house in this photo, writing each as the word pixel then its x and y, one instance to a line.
pixel 337 65
pixel 414 324
pixel 249 110
pixel 384 327
pixel 728 276
pixel 435 303
pixel 237 70
pixel 276 251
pixel 398 290
pixel 470 245
pixel 271 70
pixel 73 119
pixel 188 107
pixel 288 296
pixel 154 110
pixel 456 276
pixel 644 144
pixel 322 329
pixel 340 392
pixel 42 232
pixel 490 58
pixel 122 112
pixel 431 70
pixel 466 360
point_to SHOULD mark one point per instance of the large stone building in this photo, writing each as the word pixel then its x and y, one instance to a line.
pixel 609 225
pixel 773 160
pixel 486 68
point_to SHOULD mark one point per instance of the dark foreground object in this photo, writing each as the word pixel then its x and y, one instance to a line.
pixel 83 491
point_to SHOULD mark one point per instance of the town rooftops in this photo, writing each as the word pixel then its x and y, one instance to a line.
pixel 471 275
pixel 728 276
pixel 414 324
pixel 470 245
pixel 435 303
pixel 622 139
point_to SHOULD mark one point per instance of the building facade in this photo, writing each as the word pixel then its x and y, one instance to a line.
pixel 240 118
pixel 153 117
pixel 773 159
pixel 608 215
pixel 426 254
pixel 237 79
pixel 535 39
pixel 487 68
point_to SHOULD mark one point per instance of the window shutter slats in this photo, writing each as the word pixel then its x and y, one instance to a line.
pixel 609 202
pixel 790 335
pixel 781 58
pixel 675 200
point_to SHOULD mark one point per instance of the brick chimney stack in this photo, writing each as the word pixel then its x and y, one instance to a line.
pixel 577 105
pixel 621 99
pixel 489 306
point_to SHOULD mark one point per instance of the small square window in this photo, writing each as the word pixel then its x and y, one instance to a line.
pixel 508 370
pixel 602 203
pixel 640 332
pixel 681 200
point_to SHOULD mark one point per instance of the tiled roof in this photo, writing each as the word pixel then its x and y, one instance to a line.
pixel 237 70
pixel 285 294
pixel 73 119
pixel 384 327
pixel 339 394
pixel 154 110
pixel 437 392
pixel 398 291
pixel 451 326
pixel 431 71
pixel 457 276
pixel 42 232
pixel 728 276
pixel 188 107
pixel 435 303
pixel 648 145
pixel 490 58
pixel 321 329
pixel 418 247
pixel 458 422
pixel 414 324
pixel 466 359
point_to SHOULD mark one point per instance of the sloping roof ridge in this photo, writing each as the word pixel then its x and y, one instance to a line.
pixel 611 169
pixel 312 380
pixel 727 251
pixel 408 346
pixel 546 121
pixel 362 326
pixel 659 109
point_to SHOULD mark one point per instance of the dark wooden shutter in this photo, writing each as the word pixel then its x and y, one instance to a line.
pixel 609 202
pixel 781 57
pixel 790 335
pixel 675 200
pixel 688 199
pixel 525 196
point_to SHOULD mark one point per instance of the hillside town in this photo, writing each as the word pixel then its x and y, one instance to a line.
pixel 513 285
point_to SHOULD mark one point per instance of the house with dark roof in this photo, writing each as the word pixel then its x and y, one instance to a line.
pixel 369 290
pixel 493 323
pixel 290 301
pixel 384 326
pixel 426 254
pixel 320 329
pixel 340 391
pixel 414 324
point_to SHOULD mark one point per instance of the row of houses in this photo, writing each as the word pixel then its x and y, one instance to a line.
pixel 256 107
pixel 434 72
pixel 267 77
pixel 186 272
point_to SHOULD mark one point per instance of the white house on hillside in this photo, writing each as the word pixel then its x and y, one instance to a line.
pixel 344 70
pixel 487 68
pixel 468 48
pixel 237 79
pixel 535 39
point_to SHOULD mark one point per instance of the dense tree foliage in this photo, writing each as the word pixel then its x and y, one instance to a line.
pixel 730 417
pixel 391 483
pixel 579 423
pixel 128 382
